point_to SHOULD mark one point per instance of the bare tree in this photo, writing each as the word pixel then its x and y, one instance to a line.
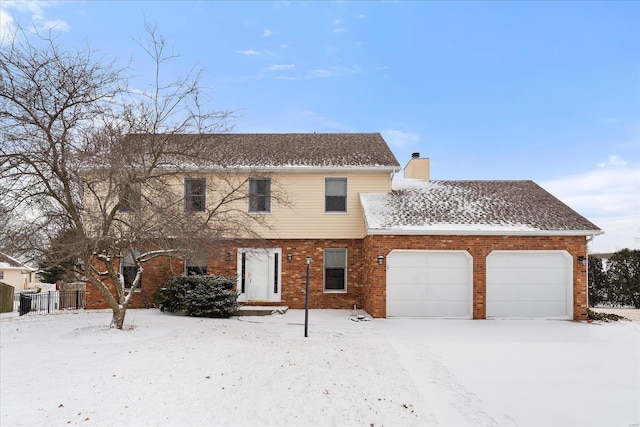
pixel 84 156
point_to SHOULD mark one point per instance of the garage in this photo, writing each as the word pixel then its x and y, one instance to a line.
pixel 429 283
pixel 531 284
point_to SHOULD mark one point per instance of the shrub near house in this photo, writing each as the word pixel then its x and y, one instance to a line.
pixel 200 296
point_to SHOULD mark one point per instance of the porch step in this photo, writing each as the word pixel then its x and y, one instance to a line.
pixel 260 310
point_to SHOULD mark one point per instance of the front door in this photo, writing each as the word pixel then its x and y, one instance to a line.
pixel 259 275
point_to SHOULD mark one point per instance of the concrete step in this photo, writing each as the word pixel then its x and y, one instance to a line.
pixel 260 310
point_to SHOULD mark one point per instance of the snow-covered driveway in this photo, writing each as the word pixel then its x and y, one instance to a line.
pixel 523 372
pixel 171 370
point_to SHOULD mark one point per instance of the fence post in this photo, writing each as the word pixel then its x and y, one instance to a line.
pixel 49 302
pixel 77 298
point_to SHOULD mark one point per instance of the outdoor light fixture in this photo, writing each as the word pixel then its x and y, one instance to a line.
pixel 308 260
pixel 227 256
pixel 380 259
pixel 289 257
pixel 582 260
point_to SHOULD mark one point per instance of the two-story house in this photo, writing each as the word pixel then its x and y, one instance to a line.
pixel 394 247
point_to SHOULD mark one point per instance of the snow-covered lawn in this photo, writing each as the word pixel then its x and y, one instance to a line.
pixel 170 370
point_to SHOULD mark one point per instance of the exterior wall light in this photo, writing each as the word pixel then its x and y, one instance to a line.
pixel 582 260
pixel 289 257
pixel 380 259
pixel 227 256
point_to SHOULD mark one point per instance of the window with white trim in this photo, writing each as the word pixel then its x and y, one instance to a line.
pixel 195 194
pixel 196 264
pixel 335 194
pixel 128 268
pixel 335 270
pixel 130 196
pixel 260 195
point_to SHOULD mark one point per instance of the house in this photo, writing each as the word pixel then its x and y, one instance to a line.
pixel 16 274
pixel 391 246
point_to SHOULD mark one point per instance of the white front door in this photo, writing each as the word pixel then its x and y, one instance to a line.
pixel 259 272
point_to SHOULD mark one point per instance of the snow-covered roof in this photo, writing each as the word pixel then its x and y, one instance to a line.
pixel 289 150
pixel 471 207
pixel 8 263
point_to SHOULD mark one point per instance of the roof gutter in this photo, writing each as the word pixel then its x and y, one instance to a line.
pixel 478 232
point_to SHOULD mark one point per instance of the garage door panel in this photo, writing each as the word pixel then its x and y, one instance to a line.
pixel 529 284
pixel 407 260
pixel 528 293
pixel 551 276
pixel 536 309
pixel 429 284
pixel 540 259
pixel 423 308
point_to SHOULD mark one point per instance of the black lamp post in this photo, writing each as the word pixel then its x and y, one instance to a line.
pixel 306 300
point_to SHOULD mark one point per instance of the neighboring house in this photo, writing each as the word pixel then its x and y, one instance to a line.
pixel 16 274
pixel 393 247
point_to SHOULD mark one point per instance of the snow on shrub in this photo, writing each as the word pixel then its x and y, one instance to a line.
pixel 200 296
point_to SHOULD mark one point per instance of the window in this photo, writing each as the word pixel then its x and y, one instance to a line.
pixel 194 194
pixel 1 274
pixel 260 195
pixel 130 196
pixel 335 194
pixel 335 270
pixel 128 268
pixel 196 264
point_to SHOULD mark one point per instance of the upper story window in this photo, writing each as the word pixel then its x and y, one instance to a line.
pixel 335 194
pixel 259 195
pixel 196 264
pixel 195 194
pixel 335 270
pixel 130 196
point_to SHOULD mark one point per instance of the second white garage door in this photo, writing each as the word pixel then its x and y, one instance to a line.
pixel 429 283
pixel 530 284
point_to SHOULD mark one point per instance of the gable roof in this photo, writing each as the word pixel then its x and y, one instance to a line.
pixel 292 150
pixel 471 207
pixel 6 262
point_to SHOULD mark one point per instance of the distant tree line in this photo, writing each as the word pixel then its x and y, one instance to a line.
pixel 615 282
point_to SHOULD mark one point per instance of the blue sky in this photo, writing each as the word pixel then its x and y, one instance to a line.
pixel 541 90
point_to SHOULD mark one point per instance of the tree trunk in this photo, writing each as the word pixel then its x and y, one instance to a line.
pixel 117 320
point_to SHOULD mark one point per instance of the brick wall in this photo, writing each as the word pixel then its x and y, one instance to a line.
pixel 374 280
pixel 366 279
pixel 293 280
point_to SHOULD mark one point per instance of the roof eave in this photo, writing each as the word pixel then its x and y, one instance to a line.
pixel 297 169
pixel 478 232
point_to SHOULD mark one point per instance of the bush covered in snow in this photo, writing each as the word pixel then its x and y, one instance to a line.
pixel 200 296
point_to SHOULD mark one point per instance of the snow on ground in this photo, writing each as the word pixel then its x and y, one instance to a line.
pixel 171 370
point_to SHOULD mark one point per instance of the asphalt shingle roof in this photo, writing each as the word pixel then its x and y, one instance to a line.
pixel 470 207
pixel 7 262
pixel 292 150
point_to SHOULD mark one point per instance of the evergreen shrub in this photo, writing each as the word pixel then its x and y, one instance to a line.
pixel 200 296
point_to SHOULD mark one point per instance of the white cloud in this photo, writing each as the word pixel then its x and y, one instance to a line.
pixel 268 33
pixel 249 52
pixel 337 26
pixel 609 196
pixel 280 67
pixel 398 138
pixel 35 14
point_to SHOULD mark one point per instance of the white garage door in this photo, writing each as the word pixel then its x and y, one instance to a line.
pixel 429 283
pixel 530 284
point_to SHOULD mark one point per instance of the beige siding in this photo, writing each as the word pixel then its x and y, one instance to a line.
pixel 305 216
pixel 18 279
pixel 300 215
